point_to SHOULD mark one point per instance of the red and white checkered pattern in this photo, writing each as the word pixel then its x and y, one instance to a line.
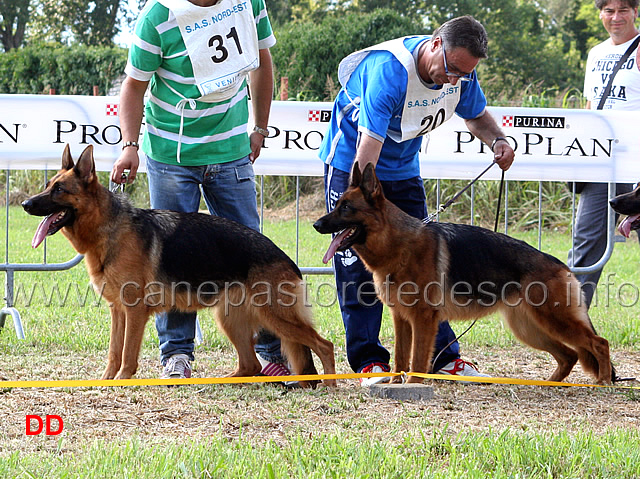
pixel 314 115
pixel 112 109
pixel 507 120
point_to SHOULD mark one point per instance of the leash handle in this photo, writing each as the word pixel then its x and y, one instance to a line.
pixel 123 182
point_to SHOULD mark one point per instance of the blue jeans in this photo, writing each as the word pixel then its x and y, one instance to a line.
pixel 229 191
pixel 361 309
pixel 590 233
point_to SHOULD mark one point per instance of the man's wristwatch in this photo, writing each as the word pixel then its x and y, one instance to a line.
pixel 130 143
pixel 263 131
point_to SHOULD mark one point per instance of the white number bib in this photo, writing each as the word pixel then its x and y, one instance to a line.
pixel 424 109
pixel 222 43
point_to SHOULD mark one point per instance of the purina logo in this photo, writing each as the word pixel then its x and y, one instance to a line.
pixel 533 121
pixel 112 109
pixel 320 115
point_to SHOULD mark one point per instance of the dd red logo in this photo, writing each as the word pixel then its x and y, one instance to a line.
pixel 52 425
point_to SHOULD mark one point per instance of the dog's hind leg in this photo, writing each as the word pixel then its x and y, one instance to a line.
pixel 289 317
pixel 293 326
pixel 527 330
pixel 302 334
pixel 239 327
pixel 116 342
pixel 566 319
pixel 301 360
pixel 593 351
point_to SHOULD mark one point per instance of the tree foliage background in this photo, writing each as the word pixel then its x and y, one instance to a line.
pixel 537 49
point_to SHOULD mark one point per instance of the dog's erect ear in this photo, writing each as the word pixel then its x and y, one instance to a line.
pixel 370 185
pixel 86 168
pixel 67 161
pixel 356 175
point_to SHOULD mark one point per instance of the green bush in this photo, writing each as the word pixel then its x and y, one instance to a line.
pixel 308 53
pixel 69 70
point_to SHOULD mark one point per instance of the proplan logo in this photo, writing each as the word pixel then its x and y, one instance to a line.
pixel 533 121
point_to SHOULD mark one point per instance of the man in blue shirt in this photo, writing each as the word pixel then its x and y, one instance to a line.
pixel 393 94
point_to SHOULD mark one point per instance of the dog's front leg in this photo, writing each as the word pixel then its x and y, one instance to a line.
pixel 424 325
pixel 402 347
pixel 135 320
pixel 116 339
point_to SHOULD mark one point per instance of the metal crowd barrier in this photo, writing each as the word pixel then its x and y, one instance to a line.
pixel 10 268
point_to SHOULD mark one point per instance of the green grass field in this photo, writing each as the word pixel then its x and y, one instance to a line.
pixel 265 431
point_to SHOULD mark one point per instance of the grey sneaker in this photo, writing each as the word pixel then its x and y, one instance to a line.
pixel 178 367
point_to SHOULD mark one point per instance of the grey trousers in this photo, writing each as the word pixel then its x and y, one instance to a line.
pixel 590 233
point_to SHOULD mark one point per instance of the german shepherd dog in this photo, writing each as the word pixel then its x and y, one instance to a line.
pixel 628 204
pixel 148 261
pixel 432 272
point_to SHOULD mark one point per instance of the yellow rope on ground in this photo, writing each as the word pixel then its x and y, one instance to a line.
pixel 91 383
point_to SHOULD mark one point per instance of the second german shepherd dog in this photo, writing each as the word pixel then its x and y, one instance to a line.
pixel 427 273
pixel 147 261
pixel 628 204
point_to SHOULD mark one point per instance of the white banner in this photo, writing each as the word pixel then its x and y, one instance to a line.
pixel 550 144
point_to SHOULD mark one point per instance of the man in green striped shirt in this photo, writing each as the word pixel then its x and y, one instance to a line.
pixel 194 58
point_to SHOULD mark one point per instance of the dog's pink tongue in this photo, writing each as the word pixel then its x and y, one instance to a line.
pixel 43 229
pixel 335 244
pixel 625 226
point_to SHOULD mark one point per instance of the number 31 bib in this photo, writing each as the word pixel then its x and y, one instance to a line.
pixel 222 43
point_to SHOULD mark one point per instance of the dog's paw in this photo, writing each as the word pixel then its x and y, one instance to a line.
pixel 109 373
pixel 123 375
pixel 414 380
pixel 329 383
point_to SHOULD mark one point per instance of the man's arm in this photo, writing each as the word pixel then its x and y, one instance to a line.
pixel 368 151
pixel 261 87
pixel 486 128
pixel 130 112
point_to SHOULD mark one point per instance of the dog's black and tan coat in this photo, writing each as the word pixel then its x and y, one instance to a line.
pixel 147 261
pixel 427 273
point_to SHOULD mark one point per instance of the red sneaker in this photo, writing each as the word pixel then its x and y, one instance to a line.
pixel 375 368
pixel 460 367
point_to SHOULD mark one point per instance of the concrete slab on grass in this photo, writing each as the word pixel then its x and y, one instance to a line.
pixel 402 392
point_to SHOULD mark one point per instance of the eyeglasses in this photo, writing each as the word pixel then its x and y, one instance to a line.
pixel 464 77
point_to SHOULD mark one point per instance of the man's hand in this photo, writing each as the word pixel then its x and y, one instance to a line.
pixel 256 140
pixel 503 154
pixel 486 128
pixel 128 160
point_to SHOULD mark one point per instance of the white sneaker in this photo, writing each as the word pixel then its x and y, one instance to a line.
pixel 460 367
pixel 375 368
pixel 178 367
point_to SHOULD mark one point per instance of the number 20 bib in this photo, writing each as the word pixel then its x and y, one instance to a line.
pixel 424 108
pixel 222 43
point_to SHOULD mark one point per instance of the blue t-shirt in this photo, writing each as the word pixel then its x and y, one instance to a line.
pixel 380 81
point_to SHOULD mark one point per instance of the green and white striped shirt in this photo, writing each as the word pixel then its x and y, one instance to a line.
pixel 212 132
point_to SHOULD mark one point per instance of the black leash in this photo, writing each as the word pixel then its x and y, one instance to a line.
pixel 443 207
pixel 495 229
